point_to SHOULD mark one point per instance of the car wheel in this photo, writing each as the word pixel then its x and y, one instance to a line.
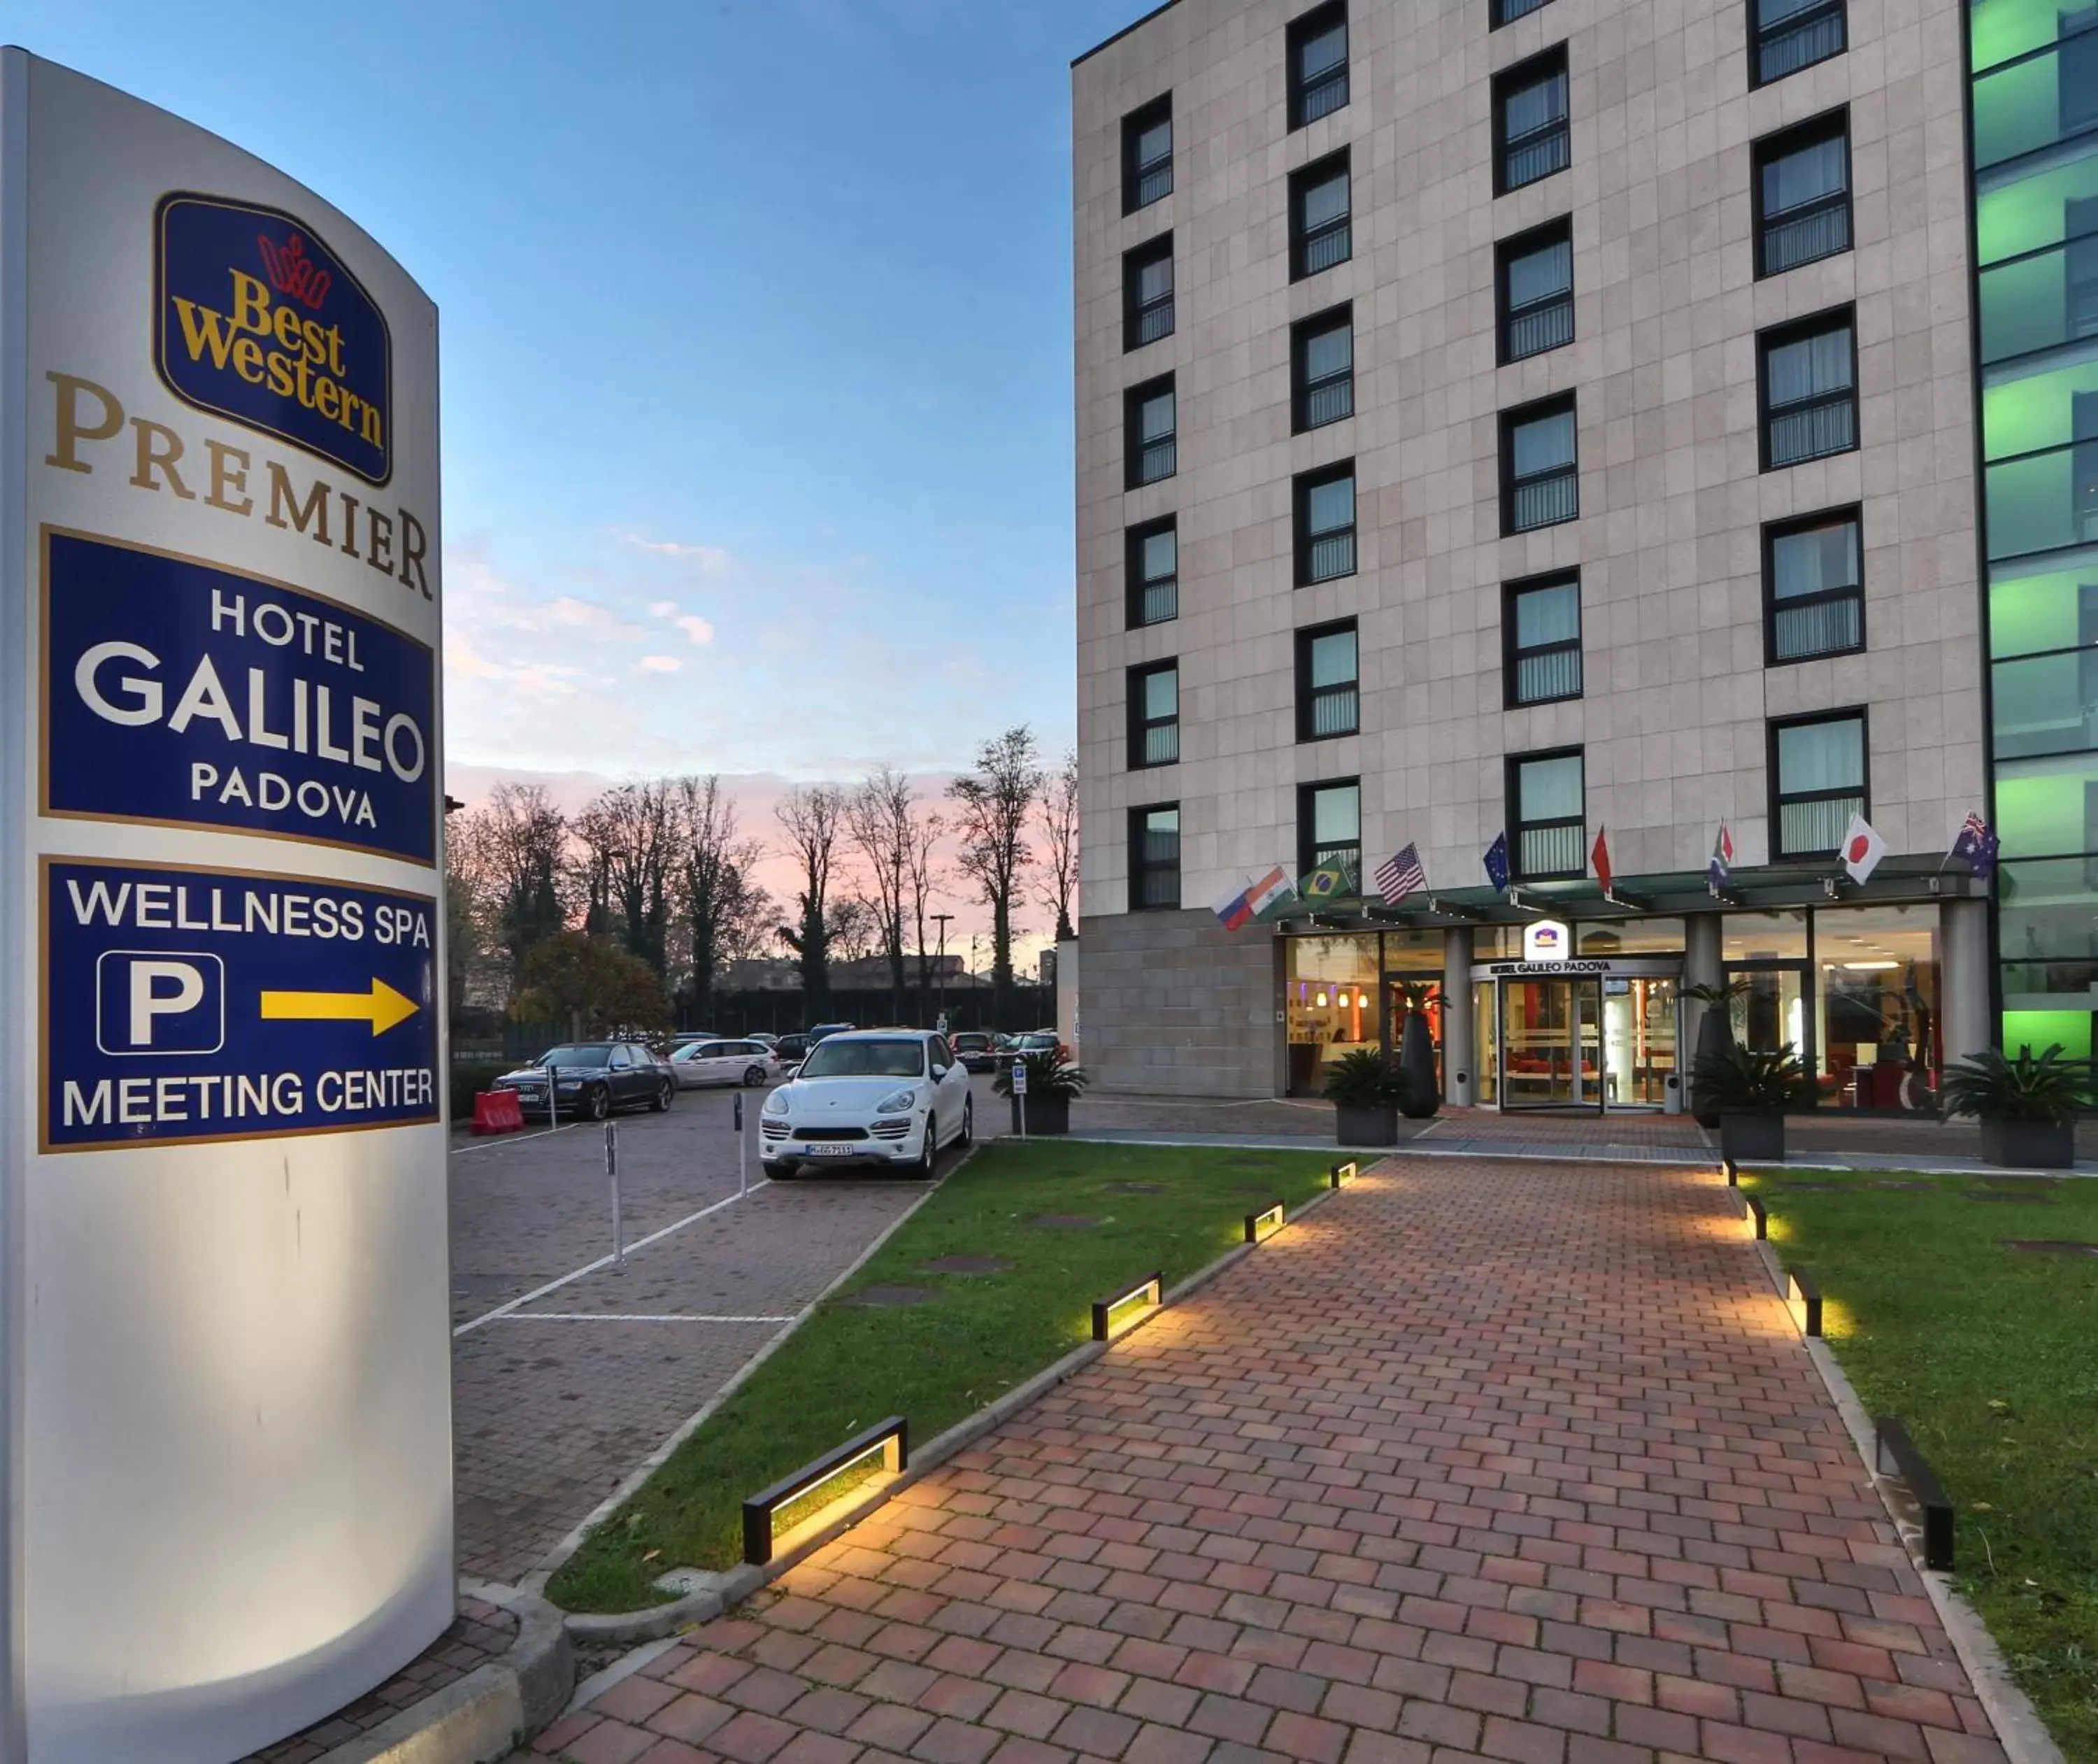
pixel 752 1077
pixel 928 1159
pixel 779 1173
pixel 597 1102
pixel 664 1093
pixel 968 1125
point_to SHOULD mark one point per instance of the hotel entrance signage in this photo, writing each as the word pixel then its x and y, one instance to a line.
pixel 221 948
pixel 1547 940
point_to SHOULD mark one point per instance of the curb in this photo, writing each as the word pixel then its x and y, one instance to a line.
pixel 713 1593
pixel 486 1714
pixel 551 1563
pixel 2019 1731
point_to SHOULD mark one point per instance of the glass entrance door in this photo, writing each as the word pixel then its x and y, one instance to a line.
pixel 1770 1010
pixel 1550 1044
pixel 1638 1042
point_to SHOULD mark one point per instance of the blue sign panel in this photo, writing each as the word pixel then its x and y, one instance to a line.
pixel 255 320
pixel 184 695
pixel 185 1004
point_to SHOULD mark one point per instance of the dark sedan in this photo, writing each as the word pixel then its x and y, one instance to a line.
pixel 591 1079
pixel 979 1050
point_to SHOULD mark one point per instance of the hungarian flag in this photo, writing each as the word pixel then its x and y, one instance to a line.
pixel 1862 849
pixel 1721 869
pixel 1601 856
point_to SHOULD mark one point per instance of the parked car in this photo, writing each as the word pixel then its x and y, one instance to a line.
pixel 886 1096
pixel 979 1050
pixel 686 1038
pixel 1037 1042
pixel 766 1036
pixel 718 1062
pixel 591 1079
pixel 790 1049
pixel 823 1029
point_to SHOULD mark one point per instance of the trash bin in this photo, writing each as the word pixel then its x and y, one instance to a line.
pixel 1671 1095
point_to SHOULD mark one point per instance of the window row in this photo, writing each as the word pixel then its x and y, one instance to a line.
pixel 1818 782
pixel 1329 695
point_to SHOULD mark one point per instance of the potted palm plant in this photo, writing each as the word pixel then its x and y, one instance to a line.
pixel 1416 1056
pixel 1053 1085
pixel 1366 1093
pixel 1716 1036
pixel 1750 1089
pixel 2027 1106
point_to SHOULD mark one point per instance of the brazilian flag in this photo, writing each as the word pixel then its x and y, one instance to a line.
pixel 1329 882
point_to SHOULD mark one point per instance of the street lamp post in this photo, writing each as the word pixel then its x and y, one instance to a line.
pixel 940 963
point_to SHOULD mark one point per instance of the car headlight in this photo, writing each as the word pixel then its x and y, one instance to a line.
pixel 776 1103
pixel 898 1102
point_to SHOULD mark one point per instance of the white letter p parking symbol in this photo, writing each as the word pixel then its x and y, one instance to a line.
pixel 159 1001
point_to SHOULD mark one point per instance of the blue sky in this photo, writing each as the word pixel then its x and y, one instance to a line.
pixel 757 348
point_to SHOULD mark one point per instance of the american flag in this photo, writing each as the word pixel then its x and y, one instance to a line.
pixel 1401 875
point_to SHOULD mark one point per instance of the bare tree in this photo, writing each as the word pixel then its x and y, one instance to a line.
pixel 630 834
pixel 993 805
pixel 879 817
pixel 727 914
pixel 812 816
pixel 927 828
pixel 854 928
pixel 1060 828
pixel 514 849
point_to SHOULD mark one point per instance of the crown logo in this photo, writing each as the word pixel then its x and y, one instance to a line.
pixel 293 272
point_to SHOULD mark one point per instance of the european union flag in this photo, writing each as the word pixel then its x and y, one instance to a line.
pixel 1497 862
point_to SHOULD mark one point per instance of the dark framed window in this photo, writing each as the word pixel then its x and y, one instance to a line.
pixel 1534 277
pixel 1548 803
pixel 1530 138
pixel 1328 682
pixel 1147 154
pixel 1329 825
pixel 1814 587
pixel 1808 376
pixel 1322 369
pixel 1321 233
pixel 1787 35
pixel 1154 572
pixel 1154 858
pixel 1326 524
pixel 1540 468
pixel 1146 286
pixel 1541 638
pixel 1500 12
pixel 1802 194
pixel 1150 443
pixel 1317 50
pixel 1818 782
pixel 1154 715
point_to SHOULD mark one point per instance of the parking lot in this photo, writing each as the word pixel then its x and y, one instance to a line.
pixel 568 1371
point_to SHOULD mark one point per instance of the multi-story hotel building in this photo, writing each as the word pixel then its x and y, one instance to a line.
pixel 1544 417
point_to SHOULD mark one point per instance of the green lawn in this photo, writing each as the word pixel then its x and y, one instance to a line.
pixel 847 1365
pixel 1990 1355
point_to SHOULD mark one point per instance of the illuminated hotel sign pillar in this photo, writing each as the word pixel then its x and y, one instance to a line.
pixel 224 1334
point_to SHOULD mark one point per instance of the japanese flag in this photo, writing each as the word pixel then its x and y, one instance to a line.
pixel 1862 849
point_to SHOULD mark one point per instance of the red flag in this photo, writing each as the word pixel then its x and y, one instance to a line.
pixel 1601 855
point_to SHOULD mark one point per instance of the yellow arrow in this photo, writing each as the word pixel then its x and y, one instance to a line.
pixel 382 1008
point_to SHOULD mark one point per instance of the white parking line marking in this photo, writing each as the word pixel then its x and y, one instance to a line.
pixel 616 1316
pixel 602 1262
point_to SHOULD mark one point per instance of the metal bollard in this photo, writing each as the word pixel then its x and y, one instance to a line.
pixel 742 1164
pixel 611 1175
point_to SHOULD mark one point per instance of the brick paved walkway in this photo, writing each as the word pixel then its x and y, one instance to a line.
pixel 1482 1460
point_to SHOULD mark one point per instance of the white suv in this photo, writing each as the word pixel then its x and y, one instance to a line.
pixel 884 1096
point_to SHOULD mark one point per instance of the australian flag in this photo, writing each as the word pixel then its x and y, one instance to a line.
pixel 1497 862
pixel 1975 847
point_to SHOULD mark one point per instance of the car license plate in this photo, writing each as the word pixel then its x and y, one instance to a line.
pixel 826 1150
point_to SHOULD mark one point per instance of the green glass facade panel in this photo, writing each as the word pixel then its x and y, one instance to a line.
pixel 2045 912
pixel 2047 402
pixel 2019 214
pixel 2047 808
pixel 2042 1029
pixel 2046 704
pixel 2043 503
pixel 2023 106
pixel 2043 604
pixel 2002 30
pixel 2040 301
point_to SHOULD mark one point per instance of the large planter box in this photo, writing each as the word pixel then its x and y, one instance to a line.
pixel 1756 1139
pixel 2032 1144
pixel 1045 1116
pixel 1366 1126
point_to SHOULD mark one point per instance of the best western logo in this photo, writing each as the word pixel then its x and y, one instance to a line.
pixel 255 320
